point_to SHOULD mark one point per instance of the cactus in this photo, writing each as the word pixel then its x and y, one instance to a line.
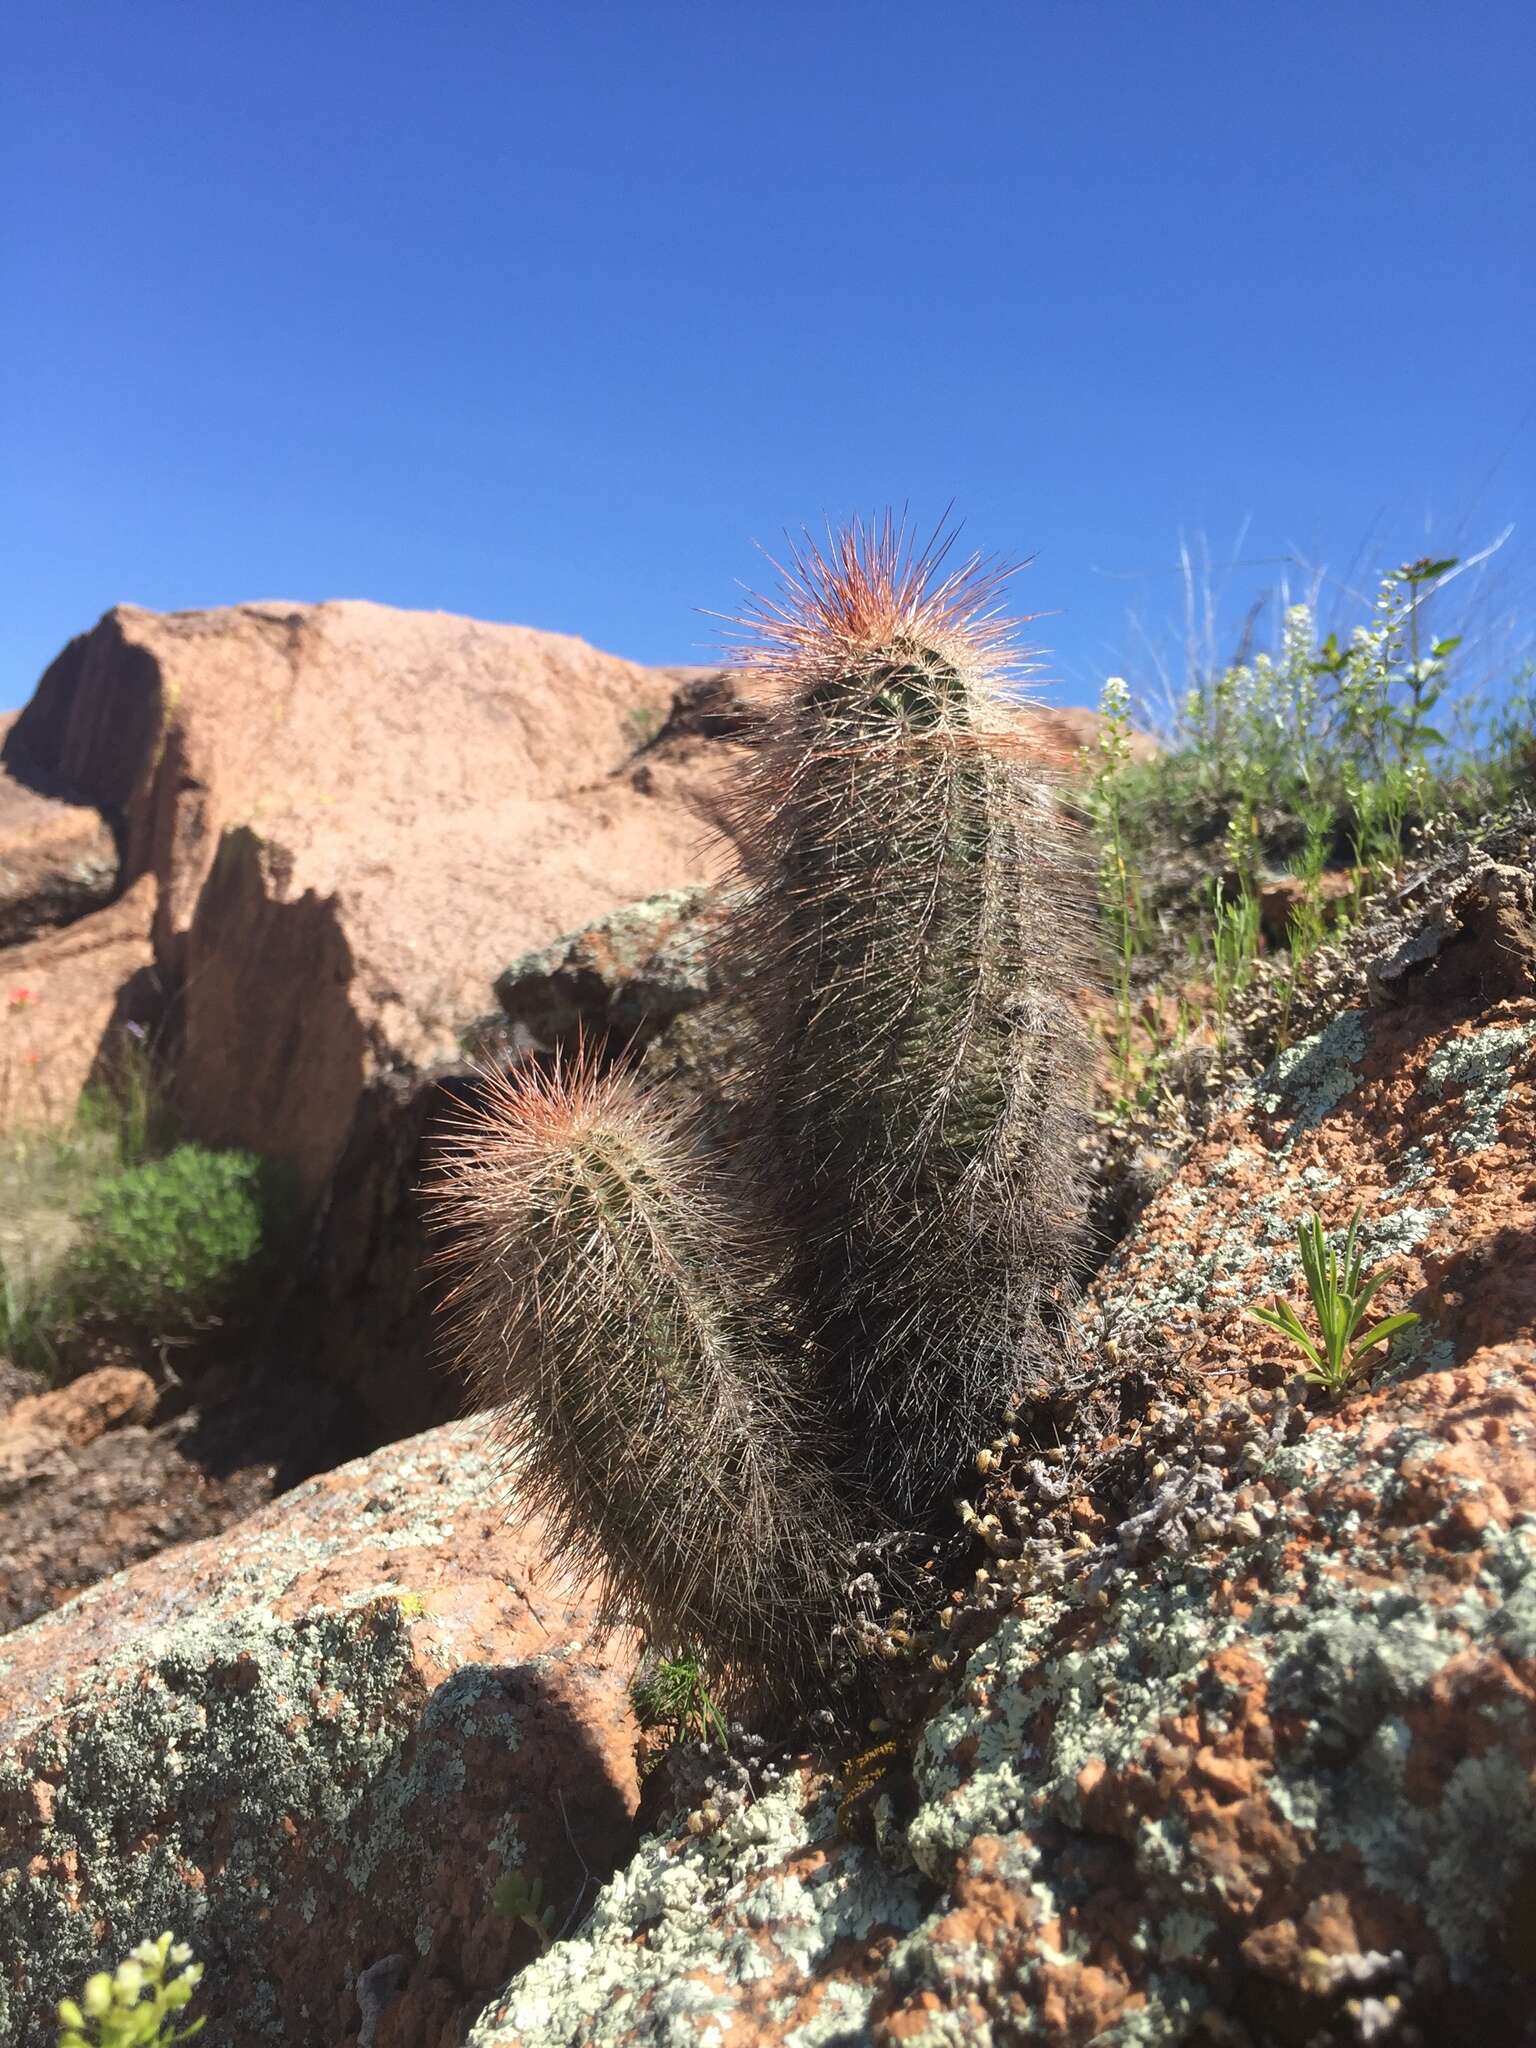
pixel 913 929
pixel 621 1322
pixel 709 1391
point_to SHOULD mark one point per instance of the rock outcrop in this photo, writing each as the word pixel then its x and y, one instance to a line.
pixel 351 818
pixel 313 1746
pixel 57 858
pixel 65 994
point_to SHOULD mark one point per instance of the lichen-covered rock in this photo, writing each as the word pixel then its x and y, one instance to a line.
pixel 1286 1771
pixel 627 975
pixel 312 1746
pixel 649 978
pixel 1253 1761
pixel 770 1928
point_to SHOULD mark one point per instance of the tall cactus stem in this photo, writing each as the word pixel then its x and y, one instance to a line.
pixel 914 927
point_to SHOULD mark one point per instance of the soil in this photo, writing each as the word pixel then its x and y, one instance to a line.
pixel 86 1511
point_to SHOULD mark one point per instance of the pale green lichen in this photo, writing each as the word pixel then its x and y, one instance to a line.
pixel 1393 1233
pixel 1232 1164
pixel 1184 1934
pixel 1417 1350
pixel 1480 1068
pixel 1174 2003
pixel 1504 1577
pixel 1311 1079
pixel 721 1910
pixel 657 944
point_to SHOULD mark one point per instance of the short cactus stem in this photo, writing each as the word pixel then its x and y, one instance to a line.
pixel 615 1316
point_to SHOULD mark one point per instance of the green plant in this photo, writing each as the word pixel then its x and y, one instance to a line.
pixel 521 1898
pixel 673 1694
pixel 30 1322
pixel 1340 1296
pixel 644 722
pixel 1308 922
pixel 1117 879
pixel 46 1178
pixel 1387 686
pixel 1493 755
pixel 1319 756
pixel 1244 847
pixel 136 2005
pixel 174 1241
pixel 1382 809
pixel 1234 948
pixel 52 1178
pixel 125 1102
pixel 1254 743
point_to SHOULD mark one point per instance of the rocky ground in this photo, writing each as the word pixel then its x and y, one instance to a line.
pixel 112 1468
pixel 1217 1724
pixel 314 1745
pixel 1238 1741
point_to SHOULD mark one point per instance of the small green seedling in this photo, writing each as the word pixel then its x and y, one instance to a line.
pixel 1339 1301
pixel 521 1898
pixel 134 2006
pixel 674 1696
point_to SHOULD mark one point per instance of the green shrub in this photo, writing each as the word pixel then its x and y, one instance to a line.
pixel 173 1241
pixel 1327 754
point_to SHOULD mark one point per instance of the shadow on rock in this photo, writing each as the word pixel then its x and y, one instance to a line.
pixel 505 1754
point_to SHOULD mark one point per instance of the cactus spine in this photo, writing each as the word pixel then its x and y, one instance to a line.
pixel 615 1318
pixel 709 1395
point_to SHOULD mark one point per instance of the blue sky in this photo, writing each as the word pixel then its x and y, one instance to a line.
pixel 546 313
